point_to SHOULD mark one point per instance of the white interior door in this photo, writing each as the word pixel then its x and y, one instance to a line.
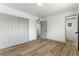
pixel 72 29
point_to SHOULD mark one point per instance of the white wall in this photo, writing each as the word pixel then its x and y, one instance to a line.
pixel 32 21
pixel 56 26
pixel 32 30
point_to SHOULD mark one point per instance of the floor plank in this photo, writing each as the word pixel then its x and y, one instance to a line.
pixel 41 47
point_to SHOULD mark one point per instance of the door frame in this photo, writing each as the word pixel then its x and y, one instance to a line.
pixel 78 31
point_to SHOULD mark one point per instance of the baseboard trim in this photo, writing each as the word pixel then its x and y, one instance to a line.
pixel 56 41
pixel 14 46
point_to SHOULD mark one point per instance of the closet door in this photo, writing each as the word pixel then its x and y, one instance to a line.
pixel 13 30
pixel 19 30
pixel 4 31
pixel 23 27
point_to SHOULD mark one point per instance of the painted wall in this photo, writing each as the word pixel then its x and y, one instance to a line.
pixel 32 22
pixel 32 30
pixel 56 26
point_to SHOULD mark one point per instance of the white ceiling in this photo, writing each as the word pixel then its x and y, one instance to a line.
pixel 45 10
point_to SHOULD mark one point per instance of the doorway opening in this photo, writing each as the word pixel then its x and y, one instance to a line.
pixel 38 28
pixel 41 28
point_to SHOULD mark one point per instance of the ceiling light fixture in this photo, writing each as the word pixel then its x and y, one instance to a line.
pixel 39 4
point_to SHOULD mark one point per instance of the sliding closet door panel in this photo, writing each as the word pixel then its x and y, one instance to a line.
pixel 4 31
pixel 23 30
pixel 13 30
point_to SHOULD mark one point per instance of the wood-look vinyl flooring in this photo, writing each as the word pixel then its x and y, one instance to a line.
pixel 41 47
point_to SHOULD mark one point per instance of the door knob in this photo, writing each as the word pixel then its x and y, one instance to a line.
pixel 76 32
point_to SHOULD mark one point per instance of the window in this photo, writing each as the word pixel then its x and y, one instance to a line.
pixel 69 24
